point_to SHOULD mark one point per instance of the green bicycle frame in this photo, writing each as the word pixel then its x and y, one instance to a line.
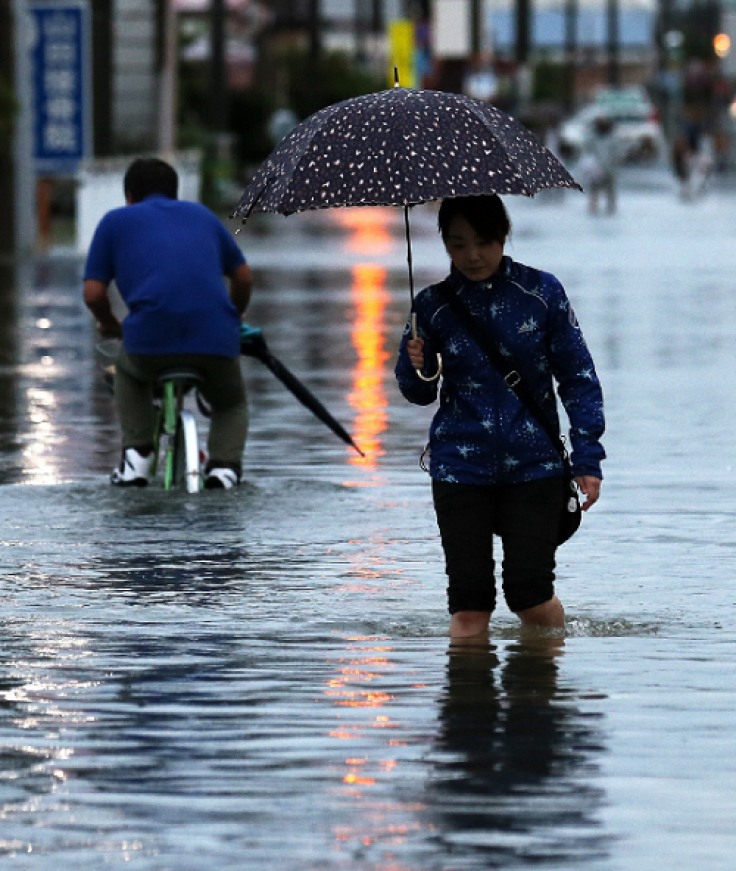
pixel 166 430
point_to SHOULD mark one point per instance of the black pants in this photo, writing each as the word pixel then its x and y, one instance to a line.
pixel 526 516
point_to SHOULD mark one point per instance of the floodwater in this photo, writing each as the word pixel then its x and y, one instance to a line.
pixel 262 679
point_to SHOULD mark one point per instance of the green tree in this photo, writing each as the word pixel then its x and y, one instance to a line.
pixel 551 82
pixel 314 84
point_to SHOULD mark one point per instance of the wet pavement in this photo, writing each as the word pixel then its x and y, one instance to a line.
pixel 262 679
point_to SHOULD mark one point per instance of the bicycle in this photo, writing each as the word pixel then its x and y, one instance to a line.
pixel 176 427
pixel 176 441
pixel 176 430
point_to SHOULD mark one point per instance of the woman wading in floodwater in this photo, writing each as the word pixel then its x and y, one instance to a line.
pixel 493 467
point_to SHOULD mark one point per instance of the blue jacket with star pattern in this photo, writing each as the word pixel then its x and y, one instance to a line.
pixel 482 433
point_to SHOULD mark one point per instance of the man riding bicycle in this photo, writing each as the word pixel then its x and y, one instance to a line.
pixel 169 258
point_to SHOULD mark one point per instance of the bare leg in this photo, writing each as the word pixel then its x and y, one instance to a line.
pixel 465 624
pixel 548 615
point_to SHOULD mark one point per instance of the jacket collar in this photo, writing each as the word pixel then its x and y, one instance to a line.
pixel 458 281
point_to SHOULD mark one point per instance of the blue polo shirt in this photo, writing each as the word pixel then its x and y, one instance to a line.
pixel 168 258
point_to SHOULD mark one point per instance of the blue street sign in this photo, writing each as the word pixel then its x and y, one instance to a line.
pixel 60 58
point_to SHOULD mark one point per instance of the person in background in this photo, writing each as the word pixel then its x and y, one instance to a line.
pixel 170 259
pixel 702 163
pixel 493 467
pixel 681 164
pixel 693 160
pixel 598 164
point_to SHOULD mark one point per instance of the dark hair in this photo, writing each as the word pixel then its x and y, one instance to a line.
pixel 149 175
pixel 486 214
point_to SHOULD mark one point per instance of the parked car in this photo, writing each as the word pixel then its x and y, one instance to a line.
pixel 635 119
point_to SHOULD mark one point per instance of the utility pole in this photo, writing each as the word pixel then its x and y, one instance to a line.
pixel 7 169
pixel 167 80
pixel 571 50
pixel 218 163
pixel 218 84
pixel 102 100
pixel 377 16
pixel 475 28
pixel 614 66
pixel 663 26
pixel 523 31
pixel 315 30
pixel 17 171
pixel 360 26
pixel 523 47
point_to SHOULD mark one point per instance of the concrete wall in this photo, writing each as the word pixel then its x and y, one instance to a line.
pixel 100 189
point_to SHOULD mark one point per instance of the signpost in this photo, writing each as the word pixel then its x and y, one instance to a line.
pixel 62 104
pixel 61 96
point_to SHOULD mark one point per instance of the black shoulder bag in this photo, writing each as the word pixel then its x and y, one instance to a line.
pixel 571 512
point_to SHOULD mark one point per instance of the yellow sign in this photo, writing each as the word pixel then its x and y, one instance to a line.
pixel 402 53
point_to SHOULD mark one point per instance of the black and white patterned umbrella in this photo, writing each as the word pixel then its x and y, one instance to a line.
pixel 401 147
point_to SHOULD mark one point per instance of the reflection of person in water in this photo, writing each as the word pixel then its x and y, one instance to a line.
pixel 511 777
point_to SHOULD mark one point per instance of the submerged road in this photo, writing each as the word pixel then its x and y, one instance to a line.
pixel 262 679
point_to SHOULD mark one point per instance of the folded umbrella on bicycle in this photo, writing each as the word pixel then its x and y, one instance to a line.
pixel 253 344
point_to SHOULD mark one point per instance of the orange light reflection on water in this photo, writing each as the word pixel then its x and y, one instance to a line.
pixel 368 661
pixel 346 690
pixel 369 234
pixel 382 822
pixel 369 237
pixel 368 396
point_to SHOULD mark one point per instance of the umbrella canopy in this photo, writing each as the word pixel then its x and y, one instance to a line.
pixel 401 147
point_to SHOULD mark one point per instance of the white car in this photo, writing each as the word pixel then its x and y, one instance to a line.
pixel 636 124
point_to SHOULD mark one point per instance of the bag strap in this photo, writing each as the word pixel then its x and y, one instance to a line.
pixel 505 367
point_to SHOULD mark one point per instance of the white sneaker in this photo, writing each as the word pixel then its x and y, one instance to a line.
pixel 133 470
pixel 221 478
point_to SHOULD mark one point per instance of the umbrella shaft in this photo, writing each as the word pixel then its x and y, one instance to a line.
pixel 408 254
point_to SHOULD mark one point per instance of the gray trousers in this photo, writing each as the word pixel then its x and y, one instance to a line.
pixel 223 388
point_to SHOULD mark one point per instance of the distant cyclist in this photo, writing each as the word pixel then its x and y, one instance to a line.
pixel 169 259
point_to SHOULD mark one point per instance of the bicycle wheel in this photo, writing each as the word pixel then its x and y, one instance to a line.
pixel 186 453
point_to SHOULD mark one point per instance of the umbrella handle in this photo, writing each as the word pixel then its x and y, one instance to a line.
pixel 436 374
pixel 439 356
